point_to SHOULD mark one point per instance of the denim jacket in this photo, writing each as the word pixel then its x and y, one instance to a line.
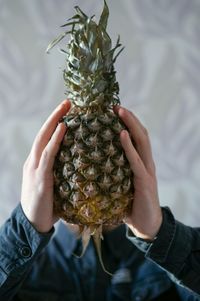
pixel 43 267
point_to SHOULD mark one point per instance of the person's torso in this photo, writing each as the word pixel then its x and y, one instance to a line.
pixel 58 275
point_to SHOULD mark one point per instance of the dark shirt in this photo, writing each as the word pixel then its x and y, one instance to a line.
pixel 35 266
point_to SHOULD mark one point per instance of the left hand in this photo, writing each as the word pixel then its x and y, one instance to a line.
pixel 146 215
pixel 37 184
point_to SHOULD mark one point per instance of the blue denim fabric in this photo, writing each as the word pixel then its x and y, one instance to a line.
pixel 176 249
pixel 35 266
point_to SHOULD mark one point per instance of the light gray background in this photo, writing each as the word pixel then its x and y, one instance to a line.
pixel 158 72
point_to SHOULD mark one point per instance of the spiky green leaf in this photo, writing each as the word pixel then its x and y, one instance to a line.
pixel 57 40
pixel 80 12
pixel 70 23
pixel 104 16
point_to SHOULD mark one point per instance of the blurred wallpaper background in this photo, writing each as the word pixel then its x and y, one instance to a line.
pixel 158 73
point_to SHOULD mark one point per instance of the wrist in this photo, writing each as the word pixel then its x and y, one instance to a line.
pixel 147 231
pixel 40 222
pixel 41 228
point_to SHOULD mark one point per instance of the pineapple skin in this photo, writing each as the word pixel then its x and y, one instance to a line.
pixel 93 179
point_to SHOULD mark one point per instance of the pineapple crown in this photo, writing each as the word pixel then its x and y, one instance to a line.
pixel 89 75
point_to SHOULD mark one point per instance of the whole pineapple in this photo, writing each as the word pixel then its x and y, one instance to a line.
pixel 93 180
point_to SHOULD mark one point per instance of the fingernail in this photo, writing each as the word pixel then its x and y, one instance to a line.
pixel 66 101
pixel 62 104
pixel 60 126
pixel 125 133
pixel 121 111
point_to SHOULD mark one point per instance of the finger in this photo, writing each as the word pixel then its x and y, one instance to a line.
pixel 50 151
pixel 139 135
pixel 133 157
pixel 118 108
pixel 47 131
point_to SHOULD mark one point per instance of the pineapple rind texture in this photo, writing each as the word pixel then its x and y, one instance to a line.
pixel 92 175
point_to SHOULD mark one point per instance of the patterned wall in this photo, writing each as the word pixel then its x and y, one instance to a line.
pixel 158 72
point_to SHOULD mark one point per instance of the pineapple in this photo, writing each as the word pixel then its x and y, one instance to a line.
pixel 93 180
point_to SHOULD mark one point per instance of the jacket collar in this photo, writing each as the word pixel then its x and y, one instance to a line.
pixel 115 239
pixel 118 243
pixel 66 239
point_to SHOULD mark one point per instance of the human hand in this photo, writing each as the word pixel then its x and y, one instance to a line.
pixel 37 183
pixel 146 216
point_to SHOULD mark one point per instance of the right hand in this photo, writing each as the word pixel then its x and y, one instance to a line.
pixel 37 184
pixel 145 217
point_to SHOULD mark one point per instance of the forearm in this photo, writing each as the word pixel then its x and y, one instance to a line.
pixel 20 244
pixel 176 249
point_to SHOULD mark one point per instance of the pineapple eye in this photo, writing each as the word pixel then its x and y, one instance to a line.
pixel 94 125
pixel 92 140
pixel 117 175
pixel 117 127
pixel 71 67
pixel 77 178
pixel 81 162
pixel 81 132
pixel 116 191
pixel 78 148
pixel 87 212
pixel 127 185
pixel 96 155
pixel 106 119
pixel 73 122
pixel 104 182
pixel 76 198
pixel 117 207
pixel 110 149
pixel 65 156
pixel 64 190
pixel 120 160
pixel 108 166
pixel 68 138
pixel 91 173
pixel 107 135
pixel 68 170
pixel 91 190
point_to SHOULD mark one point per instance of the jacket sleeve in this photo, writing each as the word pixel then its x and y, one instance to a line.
pixel 175 249
pixel 20 244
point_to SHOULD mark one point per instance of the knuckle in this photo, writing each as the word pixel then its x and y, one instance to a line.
pixel 39 138
pixel 26 164
pixel 45 161
pixel 40 186
pixel 45 154
pixel 146 133
pixel 152 169
pixel 30 163
pixel 139 141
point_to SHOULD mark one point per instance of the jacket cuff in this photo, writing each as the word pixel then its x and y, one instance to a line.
pixel 170 247
pixel 142 244
pixel 20 242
